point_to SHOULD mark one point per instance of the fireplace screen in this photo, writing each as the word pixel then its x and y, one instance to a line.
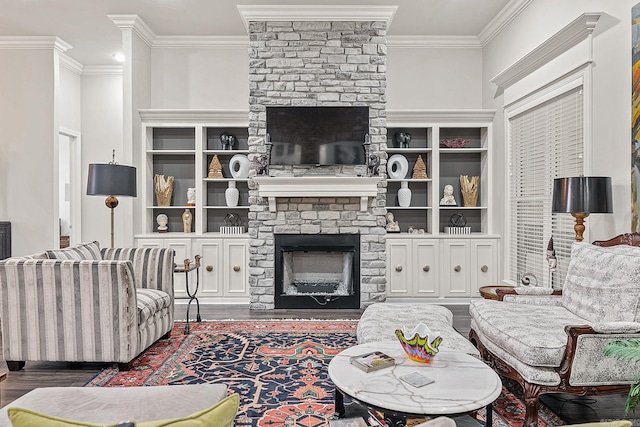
pixel 314 271
pixel 317 273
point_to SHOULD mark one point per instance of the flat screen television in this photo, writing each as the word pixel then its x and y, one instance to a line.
pixel 317 135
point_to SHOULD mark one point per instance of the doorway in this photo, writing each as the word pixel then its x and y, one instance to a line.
pixel 69 187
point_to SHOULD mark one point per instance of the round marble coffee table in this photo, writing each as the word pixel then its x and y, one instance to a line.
pixel 462 384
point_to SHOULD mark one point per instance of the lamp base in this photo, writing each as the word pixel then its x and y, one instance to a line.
pixel 579 227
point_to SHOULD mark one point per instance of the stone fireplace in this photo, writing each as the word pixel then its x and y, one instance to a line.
pixel 317 63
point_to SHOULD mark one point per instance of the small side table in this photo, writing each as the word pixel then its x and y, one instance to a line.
pixel 489 292
pixel 186 268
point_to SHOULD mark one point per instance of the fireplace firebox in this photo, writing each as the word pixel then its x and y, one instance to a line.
pixel 317 271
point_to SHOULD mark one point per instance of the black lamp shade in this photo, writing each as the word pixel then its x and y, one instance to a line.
pixel 582 194
pixel 111 180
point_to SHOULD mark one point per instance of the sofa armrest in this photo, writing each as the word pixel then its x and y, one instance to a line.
pixel 523 292
pixel 68 310
pixel 585 364
pixel 549 300
pixel 152 267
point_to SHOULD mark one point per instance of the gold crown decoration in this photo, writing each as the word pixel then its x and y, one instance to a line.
pixel 419 169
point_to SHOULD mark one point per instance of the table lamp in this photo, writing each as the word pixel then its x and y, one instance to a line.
pixel 581 196
pixel 111 179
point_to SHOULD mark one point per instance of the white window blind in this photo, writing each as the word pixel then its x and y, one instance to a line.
pixel 546 143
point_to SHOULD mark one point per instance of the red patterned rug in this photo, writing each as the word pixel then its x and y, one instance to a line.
pixel 279 369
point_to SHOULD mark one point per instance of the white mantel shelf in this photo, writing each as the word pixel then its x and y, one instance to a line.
pixel 273 187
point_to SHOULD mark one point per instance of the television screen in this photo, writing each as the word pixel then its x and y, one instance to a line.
pixel 317 135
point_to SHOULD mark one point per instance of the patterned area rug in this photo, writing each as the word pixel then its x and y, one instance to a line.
pixel 279 369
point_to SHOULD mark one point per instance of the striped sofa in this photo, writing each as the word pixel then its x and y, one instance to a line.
pixel 83 304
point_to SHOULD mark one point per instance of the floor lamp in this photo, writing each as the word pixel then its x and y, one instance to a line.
pixel 111 179
pixel 581 196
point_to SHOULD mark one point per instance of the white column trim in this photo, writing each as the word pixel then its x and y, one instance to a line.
pixel 137 25
pixel 316 13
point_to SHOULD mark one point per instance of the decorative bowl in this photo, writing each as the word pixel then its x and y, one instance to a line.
pixel 420 344
pixel 455 142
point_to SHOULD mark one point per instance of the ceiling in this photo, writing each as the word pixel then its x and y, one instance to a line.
pixel 84 24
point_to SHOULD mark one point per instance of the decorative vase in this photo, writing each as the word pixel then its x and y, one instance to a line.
pixel 239 166
pixel 231 194
pixel 187 219
pixel 163 189
pixel 404 194
pixel 397 166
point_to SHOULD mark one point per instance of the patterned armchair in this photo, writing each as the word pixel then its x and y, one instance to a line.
pixel 555 343
pixel 83 304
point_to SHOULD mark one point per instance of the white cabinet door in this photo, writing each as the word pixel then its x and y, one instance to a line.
pixel 211 267
pixel 235 262
pixel 149 243
pixel 455 271
pixel 399 267
pixel 484 264
pixel 426 264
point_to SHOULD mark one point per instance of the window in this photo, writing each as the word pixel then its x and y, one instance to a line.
pixel 546 142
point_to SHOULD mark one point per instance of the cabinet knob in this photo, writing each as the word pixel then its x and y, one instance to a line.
pixel 398 268
pixel 484 269
pixel 457 268
pixel 236 268
pixel 426 268
pixel 209 267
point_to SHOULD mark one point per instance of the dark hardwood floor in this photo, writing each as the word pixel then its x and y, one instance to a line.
pixel 59 374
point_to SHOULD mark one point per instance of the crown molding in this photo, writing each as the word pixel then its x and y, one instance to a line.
pixel 222 42
pixel 102 70
pixel 136 24
pixel 220 117
pixel 575 32
pixel 316 13
pixel 70 64
pixel 408 117
pixel 34 42
pixel 502 19
pixel 433 42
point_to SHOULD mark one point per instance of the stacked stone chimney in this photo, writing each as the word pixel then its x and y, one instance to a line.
pixel 317 63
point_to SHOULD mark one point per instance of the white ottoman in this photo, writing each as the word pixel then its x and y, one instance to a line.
pixel 379 322
pixel 108 405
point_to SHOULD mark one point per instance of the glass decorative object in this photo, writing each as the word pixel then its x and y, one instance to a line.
pixel 421 344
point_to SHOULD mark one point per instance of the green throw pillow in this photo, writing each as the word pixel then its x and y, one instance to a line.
pixel 221 414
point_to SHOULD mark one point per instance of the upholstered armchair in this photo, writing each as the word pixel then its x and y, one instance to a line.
pixel 83 304
pixel 555 343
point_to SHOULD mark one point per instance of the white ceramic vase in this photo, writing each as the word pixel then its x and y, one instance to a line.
pixel 231 194
pixel 239 166
pixel 404 194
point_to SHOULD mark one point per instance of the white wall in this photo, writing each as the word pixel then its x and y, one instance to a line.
pixel 70 98
pixel 101 133
pixel 611 91
pixel 204 78
pixel 28 171
pixel 428 78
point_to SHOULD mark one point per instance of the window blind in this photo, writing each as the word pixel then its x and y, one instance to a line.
pixel 546 142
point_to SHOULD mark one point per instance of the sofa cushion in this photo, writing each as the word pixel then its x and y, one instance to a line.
pixel 99 404
pixel 221 414
pixel 150 301
pixel 533 334
pixel 603 283
pixel 81 252
pixel 379 322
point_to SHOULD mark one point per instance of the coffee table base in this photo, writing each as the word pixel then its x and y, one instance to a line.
pixel 392 418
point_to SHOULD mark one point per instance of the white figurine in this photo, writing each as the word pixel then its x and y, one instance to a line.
pixel 191 196
pixel 392 225
pixel 162 221
pixel 447 198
